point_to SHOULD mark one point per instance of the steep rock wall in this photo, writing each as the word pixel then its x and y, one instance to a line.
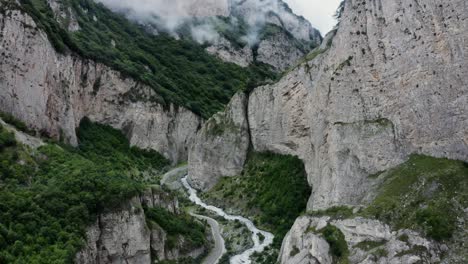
pixel 124 236
pixel 393 82
pixel 53 92
pixel 221 146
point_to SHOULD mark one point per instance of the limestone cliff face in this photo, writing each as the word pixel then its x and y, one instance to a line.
pixel 221 146
pixel 124 236
pixel 53 92
pixel 393 82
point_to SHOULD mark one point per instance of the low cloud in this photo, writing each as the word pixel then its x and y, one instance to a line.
pixel 170 15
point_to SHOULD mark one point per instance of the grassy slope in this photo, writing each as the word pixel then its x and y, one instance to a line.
pixel 425 194
pixel 273 190
pixel 49 196
pixel 180 71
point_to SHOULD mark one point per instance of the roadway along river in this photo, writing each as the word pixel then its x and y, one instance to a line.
pixel 244 257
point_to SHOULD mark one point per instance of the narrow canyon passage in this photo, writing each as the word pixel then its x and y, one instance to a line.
pixel 259 245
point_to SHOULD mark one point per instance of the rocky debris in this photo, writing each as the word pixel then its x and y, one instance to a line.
pixel 368 241
pixel 51 93
pixel 123 235
pixel 221 146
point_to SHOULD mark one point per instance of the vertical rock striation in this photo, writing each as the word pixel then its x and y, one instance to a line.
pixel 362 106
pixel 221 146
pixel 53 92
pixel 123 235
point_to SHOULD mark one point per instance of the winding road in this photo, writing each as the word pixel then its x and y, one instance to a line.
pixel 219 247
pixel 244 257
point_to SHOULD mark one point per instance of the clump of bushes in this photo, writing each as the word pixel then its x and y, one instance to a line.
pixel 178 225
pixel 336 239
pixel 7 139
pixel 18 124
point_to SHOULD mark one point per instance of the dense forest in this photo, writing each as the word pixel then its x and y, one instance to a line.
pixel 180 71
pixel 48 196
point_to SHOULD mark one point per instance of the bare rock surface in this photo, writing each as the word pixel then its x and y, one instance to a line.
pixel 362 106
pixel 52 92
pixel 124 235
pixel 368 241
pixel 221 146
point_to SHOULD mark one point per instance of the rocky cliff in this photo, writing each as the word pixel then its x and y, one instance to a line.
pixel 392 82
pixel 361 106
pixel 52 92
pixel 221 145
pixel 124 236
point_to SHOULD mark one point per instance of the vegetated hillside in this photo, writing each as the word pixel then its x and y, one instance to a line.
pixel 180 71
pixel 49 196
pixel 272 190
pixel 426 194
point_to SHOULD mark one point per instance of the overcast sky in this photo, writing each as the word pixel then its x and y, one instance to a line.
pixel 318 12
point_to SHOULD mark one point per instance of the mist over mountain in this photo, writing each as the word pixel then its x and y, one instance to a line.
pixel 203 18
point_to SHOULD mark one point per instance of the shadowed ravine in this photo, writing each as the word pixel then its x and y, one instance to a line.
pixel 259 246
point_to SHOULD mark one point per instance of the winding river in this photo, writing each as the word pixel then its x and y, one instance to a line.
pixel 259 246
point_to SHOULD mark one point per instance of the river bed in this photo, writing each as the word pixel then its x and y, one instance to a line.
pixel 259 246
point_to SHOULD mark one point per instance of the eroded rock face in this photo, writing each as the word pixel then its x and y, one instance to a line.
pixel 368 241
pixel 52 92
pixel 221 146
pixel 118 237
pixel 393 82
pixel 124 235
pixel 279 51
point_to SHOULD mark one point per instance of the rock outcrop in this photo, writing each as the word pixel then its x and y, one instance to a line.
pixel 124 236
pixel 279 51
pixel 52 92
pixel 225 50
pixel 368 241
pixel 221 146
pixel 362 106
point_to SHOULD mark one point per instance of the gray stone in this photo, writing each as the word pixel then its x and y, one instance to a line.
pixel 51 93
pixel 221 146
pixel 307 244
